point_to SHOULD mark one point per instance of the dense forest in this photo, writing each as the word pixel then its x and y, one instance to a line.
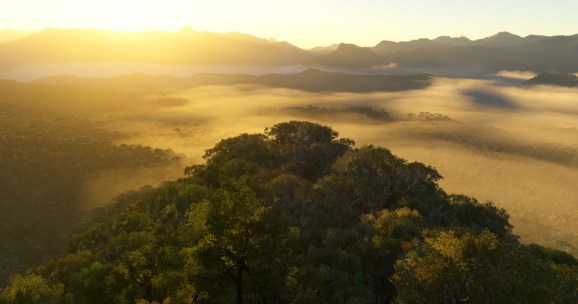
pixel 45 158
pixel 294 215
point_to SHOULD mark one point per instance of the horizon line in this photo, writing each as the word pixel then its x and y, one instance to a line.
pixel 271 39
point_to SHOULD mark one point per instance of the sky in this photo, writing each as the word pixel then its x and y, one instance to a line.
pixel 305 23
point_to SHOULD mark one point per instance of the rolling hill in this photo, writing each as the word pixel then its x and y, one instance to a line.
pixel 553 78
pixel 311 80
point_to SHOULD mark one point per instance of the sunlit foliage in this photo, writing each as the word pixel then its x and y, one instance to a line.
pixel 298 215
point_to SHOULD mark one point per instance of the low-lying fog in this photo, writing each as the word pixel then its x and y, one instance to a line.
pixel 29 72
pixel 514 145
pixel 34 71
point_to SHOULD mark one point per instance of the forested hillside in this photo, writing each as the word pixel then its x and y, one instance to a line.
pixel 298 215
pixel 45 159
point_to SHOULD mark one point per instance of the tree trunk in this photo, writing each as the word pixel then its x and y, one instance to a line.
pixel 240 285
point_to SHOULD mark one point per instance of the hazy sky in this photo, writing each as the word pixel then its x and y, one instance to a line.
pixel 305 23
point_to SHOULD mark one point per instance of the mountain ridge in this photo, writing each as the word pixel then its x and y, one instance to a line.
pixel 348 55
pixel 499 52
pixel 502 51
pixel 184 47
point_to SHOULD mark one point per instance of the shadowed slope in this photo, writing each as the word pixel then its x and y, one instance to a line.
pixel 309 80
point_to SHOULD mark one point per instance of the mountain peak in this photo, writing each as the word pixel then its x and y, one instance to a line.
pixel 348 55
pixel 324 49
pixel 453 41
pixel 348 46
pixel 188 29
pixel 501 39
pixel 505 34
pixel 348 49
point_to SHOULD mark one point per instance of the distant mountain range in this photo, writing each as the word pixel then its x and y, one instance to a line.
pixel 500 40
pixel 503 51
pixel 186 47
pixel 10 35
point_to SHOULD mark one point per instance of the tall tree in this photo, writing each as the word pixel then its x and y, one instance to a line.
pixel 236 238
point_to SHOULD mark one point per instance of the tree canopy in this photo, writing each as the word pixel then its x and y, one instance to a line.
pixel 45 159
pixel 298 215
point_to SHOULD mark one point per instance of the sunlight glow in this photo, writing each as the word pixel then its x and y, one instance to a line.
pixel 304 23
pixel 121 18
pixel 128 15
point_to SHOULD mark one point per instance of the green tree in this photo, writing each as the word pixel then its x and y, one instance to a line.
pixel 468 212
pixel 447 267
pixel 236 239
pixel 388 235
pixel 33 288
pixel 465 266
pixel 298 216
pixel 306 149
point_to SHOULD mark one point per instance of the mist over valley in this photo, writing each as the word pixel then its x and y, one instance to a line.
pixel 87 115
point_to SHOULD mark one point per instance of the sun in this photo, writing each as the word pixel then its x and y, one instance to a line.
pixel 123 19
pixel 128 15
